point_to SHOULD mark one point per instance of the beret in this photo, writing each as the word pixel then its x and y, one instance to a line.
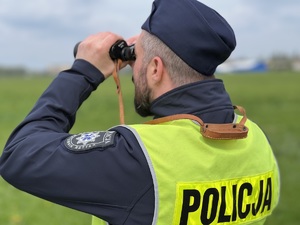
pixel 199 35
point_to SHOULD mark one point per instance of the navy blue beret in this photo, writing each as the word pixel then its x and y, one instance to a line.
pixel 196 33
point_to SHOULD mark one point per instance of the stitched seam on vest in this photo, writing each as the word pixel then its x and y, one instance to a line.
pixel 155 184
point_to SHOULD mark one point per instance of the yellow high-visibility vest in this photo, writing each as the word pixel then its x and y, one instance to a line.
pixel 97 221
pixel 203 181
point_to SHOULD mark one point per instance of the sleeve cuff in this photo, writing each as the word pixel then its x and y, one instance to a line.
pixel 89 71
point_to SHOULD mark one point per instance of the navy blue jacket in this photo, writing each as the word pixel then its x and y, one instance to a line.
pixel 110 181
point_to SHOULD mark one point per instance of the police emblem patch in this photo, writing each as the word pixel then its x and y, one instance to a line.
pixel 90 140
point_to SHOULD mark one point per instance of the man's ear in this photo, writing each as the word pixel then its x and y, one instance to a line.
pixel 155 70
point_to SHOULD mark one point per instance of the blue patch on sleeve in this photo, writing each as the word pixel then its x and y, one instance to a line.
pixel 90 140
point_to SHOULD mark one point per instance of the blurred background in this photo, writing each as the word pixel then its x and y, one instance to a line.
pixel 40 35
pixel 263 75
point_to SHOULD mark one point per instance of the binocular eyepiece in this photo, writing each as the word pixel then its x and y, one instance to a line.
pixel 119 50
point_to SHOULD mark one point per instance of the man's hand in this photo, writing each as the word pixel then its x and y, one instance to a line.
pixel 95 50
pixel 132 40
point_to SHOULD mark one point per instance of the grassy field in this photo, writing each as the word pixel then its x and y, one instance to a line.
pixel 271 99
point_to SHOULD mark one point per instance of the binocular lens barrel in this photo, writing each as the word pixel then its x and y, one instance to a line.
pixel 119 50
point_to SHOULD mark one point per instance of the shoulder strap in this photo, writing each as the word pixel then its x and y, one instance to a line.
pixel 228 131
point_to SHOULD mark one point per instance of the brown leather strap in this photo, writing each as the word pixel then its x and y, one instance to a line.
pixel 119 91
pixel 224 131
pixel 227 131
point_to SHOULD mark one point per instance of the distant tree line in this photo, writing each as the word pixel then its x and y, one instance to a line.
pixel 13 71
pixel 277 62
pixel 281 62
pixel 21 71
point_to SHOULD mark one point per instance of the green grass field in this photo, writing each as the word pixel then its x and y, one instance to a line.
pixel 272 100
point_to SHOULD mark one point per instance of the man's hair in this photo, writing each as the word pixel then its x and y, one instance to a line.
pixel 179 72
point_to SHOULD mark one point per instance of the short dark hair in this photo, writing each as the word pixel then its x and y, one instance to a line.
pixel 180 72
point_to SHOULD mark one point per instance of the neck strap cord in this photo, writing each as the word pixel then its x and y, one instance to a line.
pixel 119 90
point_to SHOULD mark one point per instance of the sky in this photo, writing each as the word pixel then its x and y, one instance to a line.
pixel 37 34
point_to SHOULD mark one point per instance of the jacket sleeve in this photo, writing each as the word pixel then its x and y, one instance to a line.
pixel 105 180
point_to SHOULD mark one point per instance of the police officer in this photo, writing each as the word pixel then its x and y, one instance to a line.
pixel 197 163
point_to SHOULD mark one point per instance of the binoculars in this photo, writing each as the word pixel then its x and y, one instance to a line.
pixel 119 50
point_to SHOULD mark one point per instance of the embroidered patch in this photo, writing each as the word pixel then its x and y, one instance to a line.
pixel 90 140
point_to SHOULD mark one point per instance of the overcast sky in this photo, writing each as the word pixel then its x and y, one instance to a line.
pixel 41 33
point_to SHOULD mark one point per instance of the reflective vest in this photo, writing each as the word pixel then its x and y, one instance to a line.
pixel 203 181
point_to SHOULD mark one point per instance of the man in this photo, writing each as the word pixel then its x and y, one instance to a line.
pixel 166 172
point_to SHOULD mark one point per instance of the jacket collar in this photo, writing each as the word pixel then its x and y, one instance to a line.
pixel 206 99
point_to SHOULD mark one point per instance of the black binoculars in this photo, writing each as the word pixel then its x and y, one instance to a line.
pixel 119 50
